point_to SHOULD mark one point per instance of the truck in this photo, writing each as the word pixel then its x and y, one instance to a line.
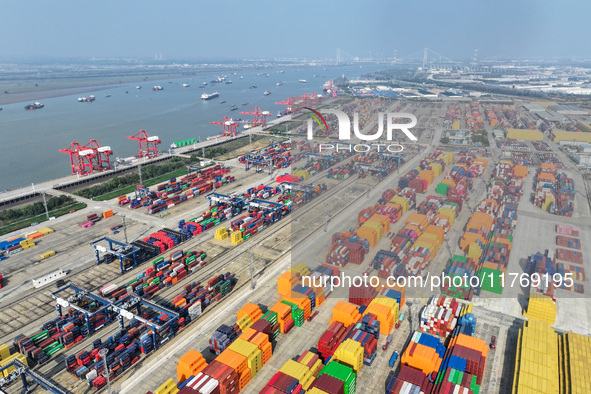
pixel 388 340
pixel 393 359
pixel 400 320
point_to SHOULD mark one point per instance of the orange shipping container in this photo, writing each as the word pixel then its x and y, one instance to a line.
pixel 190 364
pixel 234 360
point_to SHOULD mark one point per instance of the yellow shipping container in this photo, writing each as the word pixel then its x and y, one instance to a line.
pixel 536 359
pixel 390 303
pixel 221 233
pixel 236 238
pixel 456 125
pixel 403 202
pixel 377 226
pixel 350 352
pixel 298 371
pixel 4 352
pixel 45 230
pixel 541 307
pixel 301 268
pixel 316 390
pixel 169 387
pixel 251 352
pixel 449 213
pixel 437 169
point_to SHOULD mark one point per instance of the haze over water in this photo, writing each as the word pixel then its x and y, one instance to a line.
pixel 31 140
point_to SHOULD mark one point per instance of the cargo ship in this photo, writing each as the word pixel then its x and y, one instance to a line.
pixel 302 80
pixel 266 93
pixel 88 99
pixel 186 85
pixel 36 105
pixel 157 87
pixel 206 96
pixel 228 82
pixel 138 87
pixel 253 87
pixel 282 113
pixel 279 83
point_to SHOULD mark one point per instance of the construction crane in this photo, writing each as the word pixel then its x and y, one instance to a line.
pixel 148 145
pixel 81 158
pixel 229 126
pixel 260 116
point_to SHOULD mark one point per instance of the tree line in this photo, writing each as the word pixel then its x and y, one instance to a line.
pixel 8 216
pixel 148 172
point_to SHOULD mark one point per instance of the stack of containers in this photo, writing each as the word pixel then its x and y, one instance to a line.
pixel 350 353
pixel 463 267
pixel 430 206
pixel 247 315
pixel 424 353
pixel 536 360
pixel 190 365
pixel 368 342
pixel 440 316
pixel 361 295
pixel 284 318
pixel 287 281
pixel 330 339
pixel 345 313
pixel 463 365
pixel 222 337
pixel 541 307
pixel 342 373
pixel 386 311
pixel 302 303
pixel 409 380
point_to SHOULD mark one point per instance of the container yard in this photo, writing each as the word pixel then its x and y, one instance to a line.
pixel 224 279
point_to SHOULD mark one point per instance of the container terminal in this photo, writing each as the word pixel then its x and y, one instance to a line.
pixel 204 283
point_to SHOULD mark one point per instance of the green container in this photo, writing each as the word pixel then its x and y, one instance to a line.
pixel 55 349
pixel 156 280
pixel 342 373
pixel 50 347
pixel 442 189
pixel 131 283
pixel 494 285
pixel 271 317
pixel 247 236
pixel 216 221
pixel 158 261
pixel 190 259
pixel 43 335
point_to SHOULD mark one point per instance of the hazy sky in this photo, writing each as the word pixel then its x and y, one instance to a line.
pixel 302 28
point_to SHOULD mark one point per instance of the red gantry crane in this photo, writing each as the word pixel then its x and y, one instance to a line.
pixel 86 159
pixel 100 159
pixel 148 145
pixel 260 116
pixel 229 126
pixel 80 158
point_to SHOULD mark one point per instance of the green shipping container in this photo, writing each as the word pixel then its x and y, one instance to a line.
pixel 342 373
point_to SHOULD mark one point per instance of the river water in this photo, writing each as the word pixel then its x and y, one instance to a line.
pixel 30 140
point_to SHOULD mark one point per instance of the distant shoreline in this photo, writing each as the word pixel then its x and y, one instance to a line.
pixel 77 86
pixel 31 89
pixel 44 94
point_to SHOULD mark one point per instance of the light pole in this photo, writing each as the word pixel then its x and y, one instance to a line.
pixel 103 354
